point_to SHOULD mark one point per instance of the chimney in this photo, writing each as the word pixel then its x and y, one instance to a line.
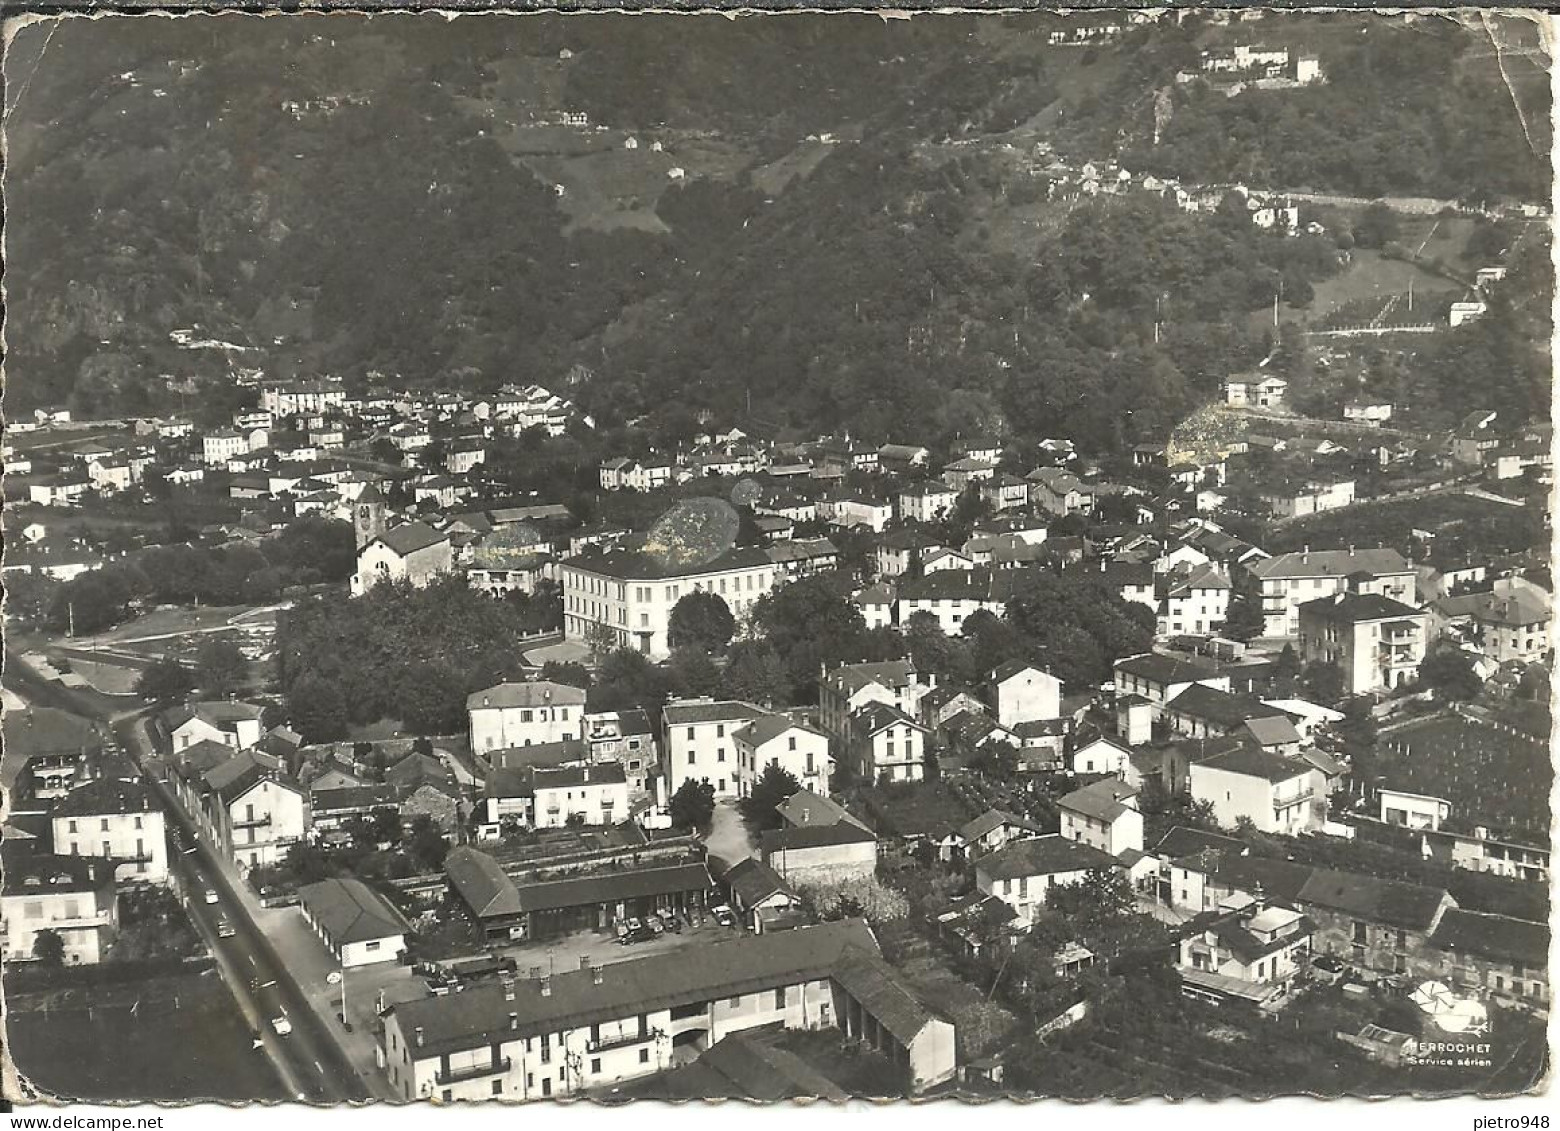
pixel 584 962
pixel 1305 555
pixel 514 1021
pixel 417 1035
pixel 486 701
pixel 547 985
pixel 595 975
pixel 509 989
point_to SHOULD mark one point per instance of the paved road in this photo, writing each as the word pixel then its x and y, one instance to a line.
pixel 310 1061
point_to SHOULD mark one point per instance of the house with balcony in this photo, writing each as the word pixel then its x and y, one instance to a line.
pixel 583 795
pixel 114 820
pixel 251 809
pixel 798 748
pixel 926 502
pixel 845 689
pixel 584 1031
pixel 1285 582
pixel 1278 795
pixel 1378 643
pixel 45 750
pixel 73 896
pixel 1251 953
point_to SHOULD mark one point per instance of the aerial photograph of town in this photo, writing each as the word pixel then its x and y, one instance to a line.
pixel 808 557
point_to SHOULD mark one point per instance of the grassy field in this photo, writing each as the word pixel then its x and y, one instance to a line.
pixel 1371 276
pixel 184 1041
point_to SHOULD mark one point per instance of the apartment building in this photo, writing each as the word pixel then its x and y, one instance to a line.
pixel 72 896
pixel 1287 581
pixel 1378 643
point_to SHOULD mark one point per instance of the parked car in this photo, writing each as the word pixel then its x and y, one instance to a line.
pixel 724 915
pixel 1328 970
pixel 654 924
pixel 620 929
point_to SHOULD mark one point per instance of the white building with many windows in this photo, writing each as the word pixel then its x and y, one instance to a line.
pixel 114 820
pixel 699 743
pixel 629 597
pixel 525 714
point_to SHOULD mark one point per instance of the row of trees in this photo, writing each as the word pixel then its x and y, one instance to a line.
pixel 307 552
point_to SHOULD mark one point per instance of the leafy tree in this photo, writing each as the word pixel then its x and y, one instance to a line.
pixel 563 671
pixel 1450 675
pixel 701 620
pixel 811 623
pixel 1377 226
pixel 425 844
pixel 1286 670
pixel 693 805
pixel 220 667
pixel 754 673
pixel 693 673
pixel 1244 620
pixel 48 947
pixel 773 787
pixel 1323 682
pixel 433 699
pixel 317 709
pixel 165 681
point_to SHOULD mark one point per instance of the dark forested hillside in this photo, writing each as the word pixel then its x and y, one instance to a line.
pixel 792 220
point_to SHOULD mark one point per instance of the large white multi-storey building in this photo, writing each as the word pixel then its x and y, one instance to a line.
pixel 631 596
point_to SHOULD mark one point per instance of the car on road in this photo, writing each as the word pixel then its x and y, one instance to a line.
pixel 282 1025
pixel 225 930
pixel 211 895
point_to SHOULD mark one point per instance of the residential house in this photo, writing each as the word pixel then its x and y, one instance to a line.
pixel 1023 693
pixel 524 714
pixel 584 795
pixel 252 809
pixel 1196 600
pixel 72 896
pixel 887 744
pixel 1412 810
pixel 1252 954
pixel 1256 391
pixel 849 687
pixel 780 740
pixel 699 743
pixel 760 895
pixel 1278 795
pixel 1503 958
pixel 899 552
pixel 877 604
pixel 1159 678
pixel 1022 873
pixel 818 842
pixel 1103 815
pixel 560 1034
pixel 1375 924
pixel 953 596
pixel 116 820
pixel 1005 492
pixel 233 724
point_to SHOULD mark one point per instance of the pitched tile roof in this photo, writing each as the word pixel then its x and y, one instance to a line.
pixel 530 693
pixel 1392 902
pixel 350 911
pixel 481 883
pixel 481 1015
pixel 1498 937
pixel 1041 856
